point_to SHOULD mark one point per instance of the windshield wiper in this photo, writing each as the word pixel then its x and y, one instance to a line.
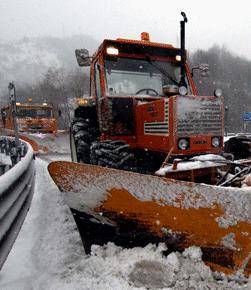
pixel 160 69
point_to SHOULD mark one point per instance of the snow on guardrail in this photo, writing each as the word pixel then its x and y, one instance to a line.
pixel 16 191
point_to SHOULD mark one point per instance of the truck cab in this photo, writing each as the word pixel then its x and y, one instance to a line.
pixel 137 88
pixel 33 118
pixel 142 94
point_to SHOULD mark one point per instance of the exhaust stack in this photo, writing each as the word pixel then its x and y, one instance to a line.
pixel 183 50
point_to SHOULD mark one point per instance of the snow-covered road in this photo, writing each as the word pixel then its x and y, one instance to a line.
pixel 48 240
pixel 48 254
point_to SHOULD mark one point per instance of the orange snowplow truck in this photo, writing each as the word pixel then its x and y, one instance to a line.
pixel 144 116
pixel 34 118
pixel 144 106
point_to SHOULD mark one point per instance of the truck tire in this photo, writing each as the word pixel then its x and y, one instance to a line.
pixel 82 136
pixel 113 154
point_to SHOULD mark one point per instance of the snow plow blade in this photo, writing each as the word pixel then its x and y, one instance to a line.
pixel 156 209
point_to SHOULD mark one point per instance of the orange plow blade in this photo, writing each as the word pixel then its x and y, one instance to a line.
pixel 179 213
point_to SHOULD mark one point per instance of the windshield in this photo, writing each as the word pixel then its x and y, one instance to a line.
pixel 33 113
pixel 127 76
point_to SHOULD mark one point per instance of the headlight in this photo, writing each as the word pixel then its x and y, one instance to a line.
pixel 112 50
pixel 218 93
pixel 216 142
pixel 182 90
pixel 183 144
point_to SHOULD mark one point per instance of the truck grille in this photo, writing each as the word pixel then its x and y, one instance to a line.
pixel 199 116
pixel 158 128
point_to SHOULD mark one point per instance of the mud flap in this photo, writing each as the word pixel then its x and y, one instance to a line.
pixel 177 212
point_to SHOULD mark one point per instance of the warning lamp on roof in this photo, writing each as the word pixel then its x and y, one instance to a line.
pixel 112 50
pixel 82 102
pixel 145 36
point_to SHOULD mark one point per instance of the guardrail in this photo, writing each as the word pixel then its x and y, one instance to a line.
pixel 9 153
pixel 16 191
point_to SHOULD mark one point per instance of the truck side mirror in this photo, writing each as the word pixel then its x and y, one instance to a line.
pixel 203 68
pixel 83 57
pixel 59 113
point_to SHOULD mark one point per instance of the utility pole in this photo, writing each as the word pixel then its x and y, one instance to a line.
pixel 12 95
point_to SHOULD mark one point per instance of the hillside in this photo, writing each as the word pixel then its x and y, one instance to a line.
pixel 27 60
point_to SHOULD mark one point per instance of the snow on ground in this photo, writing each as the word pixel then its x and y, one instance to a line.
pixel 48 254
pixel 47 243
pixel 5 159
pixel 54 157
pixel 56 143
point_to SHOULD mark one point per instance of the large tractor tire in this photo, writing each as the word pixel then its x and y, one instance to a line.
pixel 82 133
pixel 113 154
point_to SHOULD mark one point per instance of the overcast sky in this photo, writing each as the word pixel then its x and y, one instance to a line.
pixel 226 22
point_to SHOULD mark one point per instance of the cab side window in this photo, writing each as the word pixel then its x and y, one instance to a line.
pixel 97 80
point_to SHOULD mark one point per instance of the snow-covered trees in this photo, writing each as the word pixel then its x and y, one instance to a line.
pixel 232 74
